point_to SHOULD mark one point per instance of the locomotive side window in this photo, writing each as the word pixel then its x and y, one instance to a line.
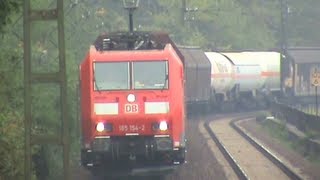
pixel 111 76
pixel 150 75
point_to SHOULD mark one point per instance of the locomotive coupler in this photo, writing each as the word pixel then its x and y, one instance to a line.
pixel 132 157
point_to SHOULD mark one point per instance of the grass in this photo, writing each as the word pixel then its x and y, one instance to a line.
pixel 280 132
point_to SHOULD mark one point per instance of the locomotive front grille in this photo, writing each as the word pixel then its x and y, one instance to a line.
pixel 132 145
pixel 138 150
pixel 163 144
pixel 101 144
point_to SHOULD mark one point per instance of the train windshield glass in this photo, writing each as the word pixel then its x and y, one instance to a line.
pixel 150 75
pixel 111 76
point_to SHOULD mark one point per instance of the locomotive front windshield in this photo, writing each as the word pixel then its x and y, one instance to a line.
pixel 135 75
pixel 111 76
pixel 150 75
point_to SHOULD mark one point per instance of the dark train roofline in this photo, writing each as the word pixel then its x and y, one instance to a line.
pixel 158 40
pixel 188 47
pixel 304 48
pixel 248 50
pixel 268 49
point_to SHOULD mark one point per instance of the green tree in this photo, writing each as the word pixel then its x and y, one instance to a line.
pixel 220 24
pixel 7 7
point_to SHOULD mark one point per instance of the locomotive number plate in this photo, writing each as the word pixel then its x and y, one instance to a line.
pixel 131 128
pixel 131 108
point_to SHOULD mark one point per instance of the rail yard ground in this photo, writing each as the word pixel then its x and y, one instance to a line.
pixel 278 141
pixel 206 162
pixel 246 159
pixel 201 165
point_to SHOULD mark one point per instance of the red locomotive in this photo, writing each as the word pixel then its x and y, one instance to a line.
pixel 132 103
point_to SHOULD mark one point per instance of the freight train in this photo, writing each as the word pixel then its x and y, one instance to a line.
pixel 137 87
pixel 296 72
pixel 132 105
pixel 229 80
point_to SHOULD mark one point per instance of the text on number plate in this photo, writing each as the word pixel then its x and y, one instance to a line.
pixel 131 108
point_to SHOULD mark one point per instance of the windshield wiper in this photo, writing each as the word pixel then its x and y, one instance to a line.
pixel 166 77
pixel 165 82
pixel 95 82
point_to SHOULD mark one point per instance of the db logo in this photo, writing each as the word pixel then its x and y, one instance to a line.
pixel 131 108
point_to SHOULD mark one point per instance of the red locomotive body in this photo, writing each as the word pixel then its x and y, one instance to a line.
pixel 132 103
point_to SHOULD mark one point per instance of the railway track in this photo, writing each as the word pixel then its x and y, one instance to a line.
pixel 248 158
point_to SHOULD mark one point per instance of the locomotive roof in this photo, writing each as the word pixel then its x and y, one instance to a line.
pixel 302 55
pixel 137 40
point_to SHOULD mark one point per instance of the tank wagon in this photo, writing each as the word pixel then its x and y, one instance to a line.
pixel 270 69
pixel 244 77
pixel 132 104
pixel 256 76
pixel 222 80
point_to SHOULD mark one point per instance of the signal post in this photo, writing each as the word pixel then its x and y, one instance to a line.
pixel 315 81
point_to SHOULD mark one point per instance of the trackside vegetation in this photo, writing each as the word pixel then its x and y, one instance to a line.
pixel 216 24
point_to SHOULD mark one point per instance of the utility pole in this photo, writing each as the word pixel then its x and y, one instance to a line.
pixel 183 11
pixel 284 17
pixel 186 12
pixel 131 5
pixel 31 78
pixel 284 46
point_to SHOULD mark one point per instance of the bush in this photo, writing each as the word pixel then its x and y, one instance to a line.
pixel 261 116
pixel 12 146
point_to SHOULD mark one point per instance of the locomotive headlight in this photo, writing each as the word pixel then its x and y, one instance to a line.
pixel 131 98
pixel 163 126
pixel 100 127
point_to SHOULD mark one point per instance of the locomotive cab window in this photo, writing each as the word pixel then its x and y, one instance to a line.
pixel 150 75
pixel 111 76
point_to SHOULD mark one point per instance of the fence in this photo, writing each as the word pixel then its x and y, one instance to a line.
pixel 303 121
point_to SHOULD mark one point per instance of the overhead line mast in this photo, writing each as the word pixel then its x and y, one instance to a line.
pixel 31 78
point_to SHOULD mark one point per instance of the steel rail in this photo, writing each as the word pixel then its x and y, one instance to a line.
pixel 274 159
pixel 235 166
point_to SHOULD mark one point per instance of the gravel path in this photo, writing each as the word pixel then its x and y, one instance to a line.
pixel 202 165
pixel 252 162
